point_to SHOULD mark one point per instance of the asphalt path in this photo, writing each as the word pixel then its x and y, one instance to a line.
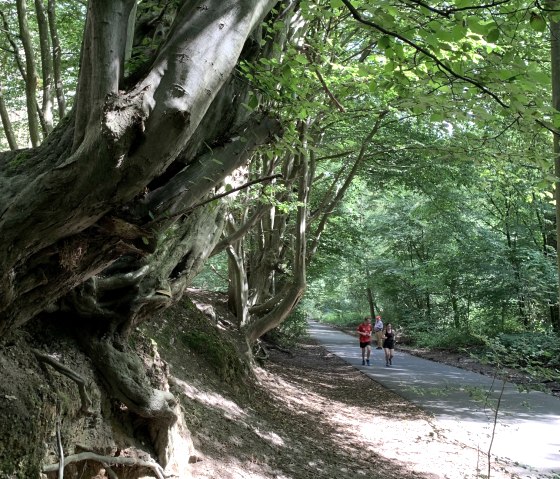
pixel 525 434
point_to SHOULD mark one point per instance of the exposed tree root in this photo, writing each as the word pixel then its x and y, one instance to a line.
pixel 60 450
pixel 79 380
pixel 126 380
pixel 278 348
pixel 125 461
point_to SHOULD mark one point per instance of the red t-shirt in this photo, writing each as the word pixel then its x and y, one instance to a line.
pixel 364 328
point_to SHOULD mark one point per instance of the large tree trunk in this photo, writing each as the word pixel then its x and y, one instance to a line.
pixel 105 223
pixel 114 146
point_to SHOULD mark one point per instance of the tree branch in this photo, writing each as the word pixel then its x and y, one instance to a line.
pixel 447 12
pixel 234 190
pixel 429 54
pixel 329 208
pixel 328 91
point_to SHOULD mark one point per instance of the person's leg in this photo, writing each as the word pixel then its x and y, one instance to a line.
pixel 386 356
pixel 379 337
pixel 368 353
pixel 363 356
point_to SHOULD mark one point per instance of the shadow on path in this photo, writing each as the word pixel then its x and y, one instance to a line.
pixel 528 423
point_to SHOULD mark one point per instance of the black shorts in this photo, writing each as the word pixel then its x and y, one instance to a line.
pixel 389 344
pixel 363 345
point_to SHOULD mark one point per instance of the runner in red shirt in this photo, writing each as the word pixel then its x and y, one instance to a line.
pixel 364 330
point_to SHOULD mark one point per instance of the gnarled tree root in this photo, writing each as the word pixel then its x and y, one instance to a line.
pixel 126 461
pixel 79 380
pixel 126 380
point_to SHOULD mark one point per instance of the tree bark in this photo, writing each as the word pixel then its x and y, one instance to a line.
pixel 6 123
pixel 115 145
pixel 31 74
pixel 371 302
pixel 56 59
pixel 46 66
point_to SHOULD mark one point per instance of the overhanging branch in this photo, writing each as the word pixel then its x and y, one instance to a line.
pixel 420 49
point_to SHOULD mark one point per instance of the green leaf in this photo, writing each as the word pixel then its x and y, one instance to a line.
pixel 384 42
pixel 537 22
pixel 437 116
pixel 253 102
pixel 493 35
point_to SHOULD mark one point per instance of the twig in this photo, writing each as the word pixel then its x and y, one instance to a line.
pixel 328 91
pixel 79 380
pixel 494 428
pixel 234 190
pixel 112 474
pixel 217 273
pixel 125 461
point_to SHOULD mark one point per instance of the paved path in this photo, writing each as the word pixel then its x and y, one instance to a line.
pixel 527 433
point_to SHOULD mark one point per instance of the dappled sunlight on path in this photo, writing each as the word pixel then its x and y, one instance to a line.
pixel 464 403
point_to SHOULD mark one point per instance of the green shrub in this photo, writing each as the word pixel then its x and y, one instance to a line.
pixel 527 350
pixel 290 331
pixel 445 339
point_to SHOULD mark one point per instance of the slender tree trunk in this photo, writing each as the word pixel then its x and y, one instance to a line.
pixel 371 302
pixel 6 123
pixel 455 307
pixel 238 284
pixel 56 59
pixel 46 66
pixel 31 74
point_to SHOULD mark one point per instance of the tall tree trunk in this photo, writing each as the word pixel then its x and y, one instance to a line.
pixel 31 74
pixel 371 302
pixel 56 59
pixel 46 66
pixel 6 123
